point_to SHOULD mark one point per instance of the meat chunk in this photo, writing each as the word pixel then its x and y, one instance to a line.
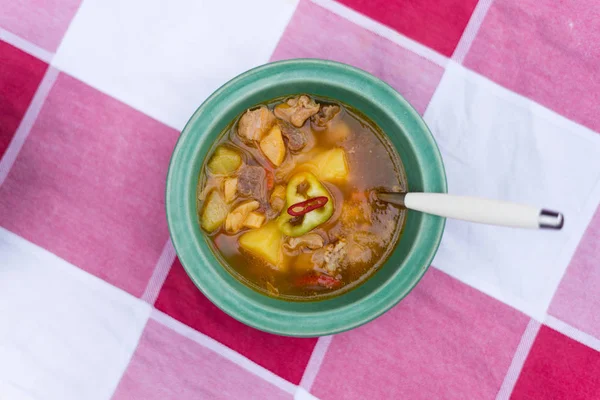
pixel 310 241
pixel 277 199
pixel 294 137
pixel 251 182
pixel 297 110
pixel 334 255
pixel 358 254
pixel 254 124
pixel 359 247
pixel 325 114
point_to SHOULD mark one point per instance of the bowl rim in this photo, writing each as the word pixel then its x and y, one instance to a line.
pixel 253 316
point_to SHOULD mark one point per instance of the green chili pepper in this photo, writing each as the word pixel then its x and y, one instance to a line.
pixel 301 187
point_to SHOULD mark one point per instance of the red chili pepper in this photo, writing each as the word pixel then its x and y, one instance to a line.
pixel 299 209
pixel 320 280
pixel 270 179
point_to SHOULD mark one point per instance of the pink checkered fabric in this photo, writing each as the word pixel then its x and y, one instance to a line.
pixel 93 301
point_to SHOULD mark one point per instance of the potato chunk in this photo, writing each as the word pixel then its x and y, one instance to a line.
pixel 229 189
pixel 224 161
pixel 265 243
pixel 235 219
pixel 254 220
pixel 331 165
pixel 215 211
pixel 273 147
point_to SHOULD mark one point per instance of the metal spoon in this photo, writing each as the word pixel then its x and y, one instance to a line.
pixel 473 209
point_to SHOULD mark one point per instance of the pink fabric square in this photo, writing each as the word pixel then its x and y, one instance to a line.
pixel 545 50
pixel 168 366
pixel 558 367
pixel 577 299
pixel 181 299
pixel 438 24
pixel 42 22
pixel 88 185
pixel 315 32
pixel 445 340
pixel 20 75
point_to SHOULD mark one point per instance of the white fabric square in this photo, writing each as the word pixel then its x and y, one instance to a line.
pixel 302 394
pixel 500 145
pixel 64 334
pixel 165 58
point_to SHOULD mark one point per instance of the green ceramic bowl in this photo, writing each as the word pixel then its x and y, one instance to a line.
pixel 384 106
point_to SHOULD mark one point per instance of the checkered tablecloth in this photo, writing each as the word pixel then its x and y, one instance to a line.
pixel 93 301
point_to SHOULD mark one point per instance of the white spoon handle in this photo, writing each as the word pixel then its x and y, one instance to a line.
pixel 483 210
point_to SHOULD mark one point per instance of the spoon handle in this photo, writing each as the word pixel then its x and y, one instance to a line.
pixel 479 210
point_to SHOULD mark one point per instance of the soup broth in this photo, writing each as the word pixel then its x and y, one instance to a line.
pixel 287 201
